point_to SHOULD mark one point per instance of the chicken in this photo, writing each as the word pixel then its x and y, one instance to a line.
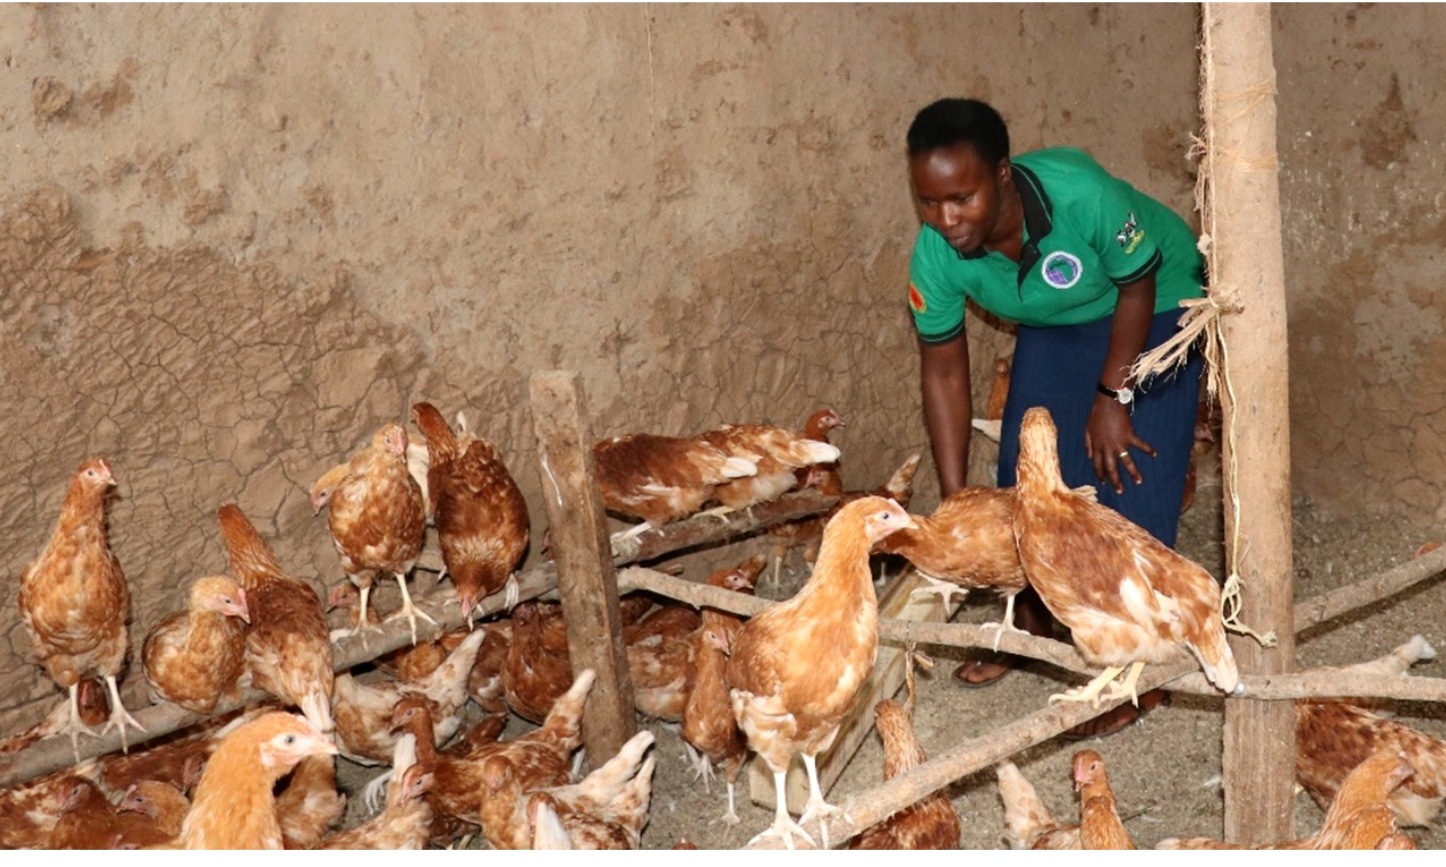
pixel 93 710
pixel 195 657
pixel 1100 826
pixel 929 823
pixel 1358 818
pixel 1028 823
pixel 777 453
pixel 968 542
pixel 538 668
pixel 308 803
pixel 322 488
pixel 823 477
pixel 708 722
pixel 1127 599
pixel 164 804
pixel 30 811
pixel 607 809
pixel 363 712
pixel 288 650
pixel 1333 737
pixel 484 684
pixel 660 479
pixel 414 662
pixel 406 821
pixel 540 758
pixel 796 668
pixel 660 652
pixel 480 513
pixel 378 520
pixel 233 807
pixel 74 601
pixel 88 820
pixel 991 424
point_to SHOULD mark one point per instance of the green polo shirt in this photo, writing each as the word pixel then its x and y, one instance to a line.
pixel 1086 232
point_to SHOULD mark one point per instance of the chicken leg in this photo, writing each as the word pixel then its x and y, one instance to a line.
pixel 1090 692
pixel 75 728
pixel 1127 686
pixel 410 611
pixel 817 808
pixel 119 717
pixel 783 826
pixel 364 588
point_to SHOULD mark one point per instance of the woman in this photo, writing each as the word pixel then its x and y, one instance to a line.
pixel 1092 271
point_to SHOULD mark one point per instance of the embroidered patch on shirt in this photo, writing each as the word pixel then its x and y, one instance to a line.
pixel 1130 235
pixel 1061 270
pixel 916 300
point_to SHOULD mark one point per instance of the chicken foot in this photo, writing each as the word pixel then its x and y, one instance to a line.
pixel 410 611
pixel 75 728
pixel 945 590
pixel 817 808
pixel 119 716
pixel 783 826
pixel 362 626
pixel 1127 686
pixel 1090 692
pixel 1007 624
pixel 730 817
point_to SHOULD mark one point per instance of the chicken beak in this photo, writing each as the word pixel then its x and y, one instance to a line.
pixel 241 608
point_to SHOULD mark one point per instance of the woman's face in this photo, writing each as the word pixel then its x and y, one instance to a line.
pixel 960 196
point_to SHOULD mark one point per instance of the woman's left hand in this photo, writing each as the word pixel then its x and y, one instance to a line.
pixel 1109 439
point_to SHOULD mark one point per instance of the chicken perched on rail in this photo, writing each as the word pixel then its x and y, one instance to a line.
pixel 1333 737
pixel 1359 817
pixel 406 821
pixel 796 668
pixel 708 721
pixel 479 511
pixel 378 520
pixel 1127 599
pixel 1028 823
pixel 660 479
pixel 363 711
pixel 288 649
pixel 929 823
pixel 74 600
pixel 195 657
pixel 776 452
pixel 233 807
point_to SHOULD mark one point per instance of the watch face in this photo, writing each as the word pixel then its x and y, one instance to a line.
pixel 1127 395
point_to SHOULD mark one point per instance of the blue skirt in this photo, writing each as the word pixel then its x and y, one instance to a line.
pixel 1059 368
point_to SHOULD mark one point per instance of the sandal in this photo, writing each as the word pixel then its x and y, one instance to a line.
pixel 1117 718
pixel 976 673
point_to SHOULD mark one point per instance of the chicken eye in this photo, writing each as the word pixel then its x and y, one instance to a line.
pixel 289 740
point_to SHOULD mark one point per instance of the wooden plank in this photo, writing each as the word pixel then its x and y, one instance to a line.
pixel 586 580
pixel 1242 218
pixel 896 603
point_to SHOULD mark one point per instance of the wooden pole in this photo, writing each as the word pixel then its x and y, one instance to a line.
pixel 586 580
pixel 1241 218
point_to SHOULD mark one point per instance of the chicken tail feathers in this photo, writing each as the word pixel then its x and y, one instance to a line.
pixel 1025 814
pixel 564 720
pixel 1216 660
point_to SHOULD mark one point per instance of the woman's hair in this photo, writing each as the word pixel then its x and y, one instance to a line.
pixel 953 121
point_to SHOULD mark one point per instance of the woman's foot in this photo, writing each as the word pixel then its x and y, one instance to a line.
pixel 984 670
pixel 1117 718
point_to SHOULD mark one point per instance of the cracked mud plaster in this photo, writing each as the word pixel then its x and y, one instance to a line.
pixel 202 382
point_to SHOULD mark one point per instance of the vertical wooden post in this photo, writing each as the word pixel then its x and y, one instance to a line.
pixel 1242 218
pixel 586 580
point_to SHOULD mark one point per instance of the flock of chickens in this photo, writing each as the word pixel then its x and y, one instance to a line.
pixel 778 684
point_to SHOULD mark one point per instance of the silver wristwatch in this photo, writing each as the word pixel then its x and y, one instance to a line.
pixel 1124 395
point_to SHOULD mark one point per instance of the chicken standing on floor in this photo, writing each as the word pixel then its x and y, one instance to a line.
pixel 233 807
pixel 1127 599
pixel 480 513
pixel 195 657
pixel 930 822
pixel 406 821
pixel 1100 826
pixel 378 520
pixel 287 648
pixel 1028 822
pixel 660 479
pixel 797 667
pixel 74 600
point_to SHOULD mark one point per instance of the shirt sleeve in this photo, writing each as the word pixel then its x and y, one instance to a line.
pixel 1127 244
pixel 935 300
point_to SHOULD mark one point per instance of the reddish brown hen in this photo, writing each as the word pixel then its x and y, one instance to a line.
pixel 234 807
pixel 606 810
pixel 1127 599
pixel 195 657
pixel 308 803
pixel 929 823
pixel 823 477
pixel 797 667
pixel 406 821
pixel 777 454
pixel 1100 826
pixel 287 647
pixel 74 600
pixel 538 667
pixel 479 511
pixel 378 520
pixel 660 479
pixel 163 804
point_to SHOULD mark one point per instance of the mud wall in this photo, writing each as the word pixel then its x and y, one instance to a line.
pixel 236 240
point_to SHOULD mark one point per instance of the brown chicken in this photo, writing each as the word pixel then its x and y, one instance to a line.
pixel 1100 826
pixel 480 513
pixel 660 479
pixel 1127 599
pixel 234 807
pixel 93 709
pixel 1028 823
pixel 308 803
pixel 968 543
pixel 288 649
pixel 195 657
pixel 321 489
pixel 88 820
pixel 796 668
pixel 378 520
pixel 823 477
pixel 660 650
pixel 363 712
pixel 538 667
pixel 606 810
pixel 74 600
pixel 708 722
pixel 929 823
pixel 406 821
pixel 1359 817
pixel 777 453
pixel 540 758
pixel 164 804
